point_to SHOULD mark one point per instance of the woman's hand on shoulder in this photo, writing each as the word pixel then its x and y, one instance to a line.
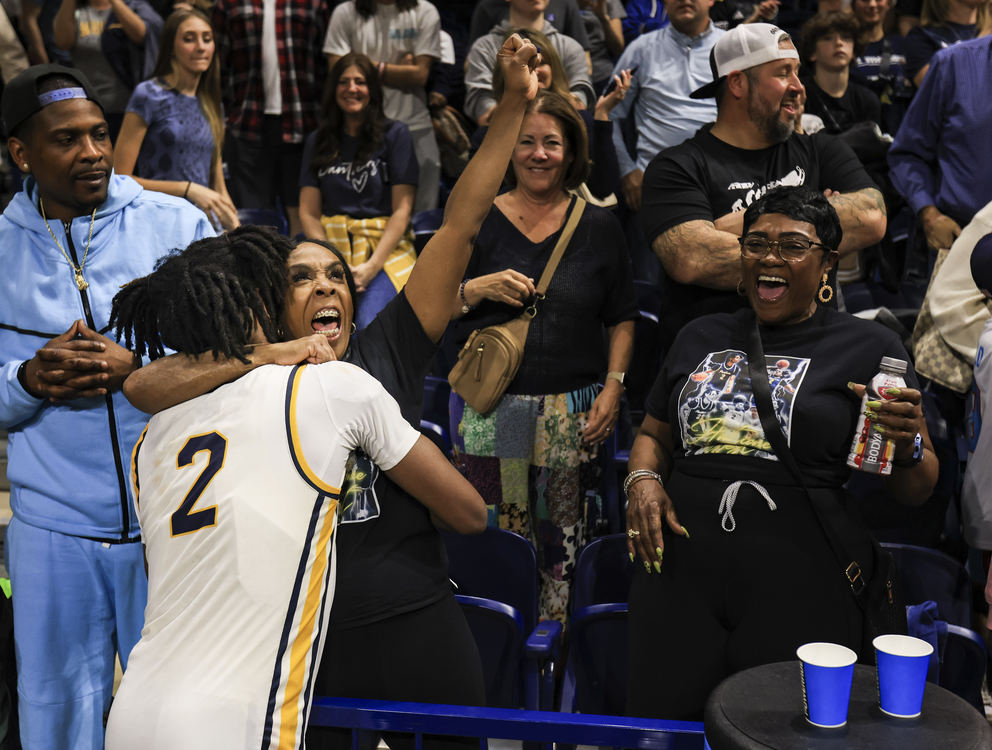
pixel 313 349
pixel 519 58
pixel 218 208
pixel 899 415
pixel 507 286
pixel 648 505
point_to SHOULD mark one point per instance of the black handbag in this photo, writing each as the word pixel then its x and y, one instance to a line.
pixel 874 588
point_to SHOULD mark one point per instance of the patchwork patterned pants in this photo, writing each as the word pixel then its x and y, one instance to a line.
pixel 538 478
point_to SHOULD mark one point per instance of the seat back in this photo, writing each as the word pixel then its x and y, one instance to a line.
pixel 599 659
pixel 928 574
pixel 963 661
pixel 500 567
pixel 499 635
pixel 497 565
pixel 603 572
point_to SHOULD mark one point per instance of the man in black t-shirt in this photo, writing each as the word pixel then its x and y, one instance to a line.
pixel 695 193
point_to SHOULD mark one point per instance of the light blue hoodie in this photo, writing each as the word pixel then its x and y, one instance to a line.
pixel 69 463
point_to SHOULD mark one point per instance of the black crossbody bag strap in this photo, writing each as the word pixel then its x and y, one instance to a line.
pixel 776 438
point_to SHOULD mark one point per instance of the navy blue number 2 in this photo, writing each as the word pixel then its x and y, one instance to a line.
pixel 185 520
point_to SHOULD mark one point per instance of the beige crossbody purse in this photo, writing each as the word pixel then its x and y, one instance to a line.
pixel 491 357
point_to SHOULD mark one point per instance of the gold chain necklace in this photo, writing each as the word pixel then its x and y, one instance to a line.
pixel 76 270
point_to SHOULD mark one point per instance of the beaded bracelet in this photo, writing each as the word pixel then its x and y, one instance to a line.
pixel 639 474
pixel 466 307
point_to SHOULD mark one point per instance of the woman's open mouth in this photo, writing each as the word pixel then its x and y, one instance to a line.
pixel 327 321
pixel 771 288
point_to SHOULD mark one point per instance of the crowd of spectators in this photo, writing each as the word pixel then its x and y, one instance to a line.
pixel 348 119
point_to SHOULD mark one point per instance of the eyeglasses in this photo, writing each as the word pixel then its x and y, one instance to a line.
pixel 791 249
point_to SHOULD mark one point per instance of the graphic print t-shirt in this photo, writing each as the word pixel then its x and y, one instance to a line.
pixel 362 189
pixel 705 178
pixel 704 392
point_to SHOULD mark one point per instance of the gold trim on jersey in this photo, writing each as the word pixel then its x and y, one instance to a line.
pixel 134 464
pixel 301 650
pixel 294 439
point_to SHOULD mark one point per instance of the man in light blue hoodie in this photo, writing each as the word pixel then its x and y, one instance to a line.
pixel 68 241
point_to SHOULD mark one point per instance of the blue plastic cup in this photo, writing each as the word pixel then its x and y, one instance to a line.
pixel 827 673
pixel 902 674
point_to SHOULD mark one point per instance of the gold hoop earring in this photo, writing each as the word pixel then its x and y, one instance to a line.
pixel 740 289
pixel 353 327
pixel 826 292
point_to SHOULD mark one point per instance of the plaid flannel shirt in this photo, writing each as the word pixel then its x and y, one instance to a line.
pixel 300 29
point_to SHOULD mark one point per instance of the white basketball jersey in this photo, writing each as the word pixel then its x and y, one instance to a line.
pixel 237 493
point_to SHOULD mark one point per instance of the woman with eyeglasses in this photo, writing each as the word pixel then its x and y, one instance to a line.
pixel 733 567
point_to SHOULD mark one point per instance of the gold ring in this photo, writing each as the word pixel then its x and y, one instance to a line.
pixel 632 533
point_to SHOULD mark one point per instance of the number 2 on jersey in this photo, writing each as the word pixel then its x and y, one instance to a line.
pixel 185 520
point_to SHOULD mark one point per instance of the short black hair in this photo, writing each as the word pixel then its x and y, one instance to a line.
pixel 208 297
pixel 799 204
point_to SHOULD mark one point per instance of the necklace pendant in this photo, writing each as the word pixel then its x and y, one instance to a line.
pixel 81 283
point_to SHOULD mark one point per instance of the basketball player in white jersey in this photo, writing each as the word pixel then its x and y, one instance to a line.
pixel 237 493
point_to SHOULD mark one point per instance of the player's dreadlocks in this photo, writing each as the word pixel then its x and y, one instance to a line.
pixel 208 297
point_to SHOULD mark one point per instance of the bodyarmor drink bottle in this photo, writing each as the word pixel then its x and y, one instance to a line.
pixel 870 450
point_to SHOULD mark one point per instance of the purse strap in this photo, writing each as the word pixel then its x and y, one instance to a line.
pixel 566 236
pixel 776 438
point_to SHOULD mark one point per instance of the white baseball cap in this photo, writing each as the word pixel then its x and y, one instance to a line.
pixel 743 47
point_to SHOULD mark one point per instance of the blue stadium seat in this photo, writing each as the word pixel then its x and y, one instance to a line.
pixel 501 567
pixel 596 673
pixel 926 574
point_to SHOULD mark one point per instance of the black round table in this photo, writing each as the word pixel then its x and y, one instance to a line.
pixel 762 708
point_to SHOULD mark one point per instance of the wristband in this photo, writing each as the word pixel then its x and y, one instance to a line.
pixel 639 474
pixel 466 307
pixel 916 458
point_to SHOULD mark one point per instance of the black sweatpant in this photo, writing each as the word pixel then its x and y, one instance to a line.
pixel 427 655
pixel 727 601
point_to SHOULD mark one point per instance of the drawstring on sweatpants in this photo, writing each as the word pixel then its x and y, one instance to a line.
pixel 726 508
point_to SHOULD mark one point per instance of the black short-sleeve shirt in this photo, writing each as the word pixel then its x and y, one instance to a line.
pixel 705 178
pixel 390 557
pixel 704 393
pixel 592 288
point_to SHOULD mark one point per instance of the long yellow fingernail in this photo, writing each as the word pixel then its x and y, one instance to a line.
pixel 631 556
pixel 872 404
pixel 685 531
pixel 893 391
pixel 850 384
pixel 659 552
pixel 647 567
pixel 657 567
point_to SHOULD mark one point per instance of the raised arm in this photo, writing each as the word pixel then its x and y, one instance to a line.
pixel 441 265
pixel 698 252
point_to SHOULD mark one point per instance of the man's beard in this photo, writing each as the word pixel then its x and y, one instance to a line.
pixel 771 125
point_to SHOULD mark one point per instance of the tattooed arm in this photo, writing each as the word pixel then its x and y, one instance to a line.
pixel 696 252
pixel 862 217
